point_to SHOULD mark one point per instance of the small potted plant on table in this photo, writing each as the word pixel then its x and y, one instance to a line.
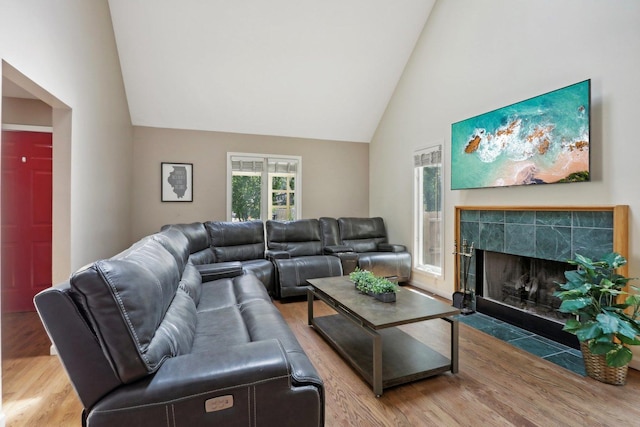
pixel 606 322
pixel 380 288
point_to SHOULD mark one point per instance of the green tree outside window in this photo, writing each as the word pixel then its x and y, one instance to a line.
pixel 245 199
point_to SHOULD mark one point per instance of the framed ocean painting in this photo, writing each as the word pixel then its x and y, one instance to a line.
pixel 542 140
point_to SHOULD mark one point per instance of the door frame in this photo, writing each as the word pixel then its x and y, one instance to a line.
pixel 27 128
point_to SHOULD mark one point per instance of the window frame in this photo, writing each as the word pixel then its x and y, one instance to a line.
pixel 418 211
pixel 266 190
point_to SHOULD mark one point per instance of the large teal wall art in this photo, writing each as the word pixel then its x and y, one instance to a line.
pixel 542 140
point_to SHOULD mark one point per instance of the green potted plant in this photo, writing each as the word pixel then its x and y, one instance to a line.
pixel 361 279
pixel 606 322
pixel 380 288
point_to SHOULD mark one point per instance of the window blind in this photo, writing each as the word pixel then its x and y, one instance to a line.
pixel 239 164
pixel 428 156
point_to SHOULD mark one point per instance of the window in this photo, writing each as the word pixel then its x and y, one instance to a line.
pixel 428 209
pixel 263 187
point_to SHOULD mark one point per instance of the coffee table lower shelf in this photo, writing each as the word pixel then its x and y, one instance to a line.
pixel 404 359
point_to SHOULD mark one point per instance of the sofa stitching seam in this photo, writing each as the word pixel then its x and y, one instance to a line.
pixel 191 396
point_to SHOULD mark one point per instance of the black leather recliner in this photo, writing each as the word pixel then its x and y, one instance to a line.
pixel 242 242
pixel 145 342
pixel 368 238
pixel 202 256
pixel 295 247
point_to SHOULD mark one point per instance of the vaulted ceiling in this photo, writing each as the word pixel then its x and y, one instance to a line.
pixel 322 69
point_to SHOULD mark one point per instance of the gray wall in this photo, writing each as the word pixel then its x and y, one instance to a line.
pixel 335 175
pixel 23 111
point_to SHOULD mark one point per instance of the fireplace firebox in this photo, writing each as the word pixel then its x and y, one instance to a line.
pixel 519 290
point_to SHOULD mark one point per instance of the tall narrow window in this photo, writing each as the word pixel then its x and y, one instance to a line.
pixel 428 209
pixel 263 187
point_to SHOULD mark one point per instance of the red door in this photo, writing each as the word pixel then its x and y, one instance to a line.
pixel 26 217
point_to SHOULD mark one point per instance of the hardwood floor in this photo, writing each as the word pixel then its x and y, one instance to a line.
pixel 35 388
pixel 498 384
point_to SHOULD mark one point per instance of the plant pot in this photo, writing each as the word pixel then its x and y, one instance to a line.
pixel 385 297
pixel 597 368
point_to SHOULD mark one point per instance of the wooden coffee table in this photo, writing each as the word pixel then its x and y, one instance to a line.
pixel 364 332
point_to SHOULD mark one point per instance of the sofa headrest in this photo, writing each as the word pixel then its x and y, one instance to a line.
pixel 136 309
pixel 299 238
pixel 195 232
pixel 236 241
pixel 362 234
pixel 176 243
pixel 330 231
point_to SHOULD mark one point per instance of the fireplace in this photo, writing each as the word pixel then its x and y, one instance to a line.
pixel 519 290
pixel 522 251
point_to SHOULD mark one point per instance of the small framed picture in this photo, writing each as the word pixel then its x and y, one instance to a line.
pixel 177 182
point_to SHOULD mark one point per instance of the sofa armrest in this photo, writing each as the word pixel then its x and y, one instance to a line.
pixel 272 254
pixel 193 375
pixel 245 384
pixel 220 270
pixel 336 249
pixel 389 247
pixel 348 259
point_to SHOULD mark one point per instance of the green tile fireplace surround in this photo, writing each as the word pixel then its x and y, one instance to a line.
pixel 550 232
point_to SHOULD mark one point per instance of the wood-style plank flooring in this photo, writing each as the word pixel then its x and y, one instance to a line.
pixel 35 387
pixel 498 384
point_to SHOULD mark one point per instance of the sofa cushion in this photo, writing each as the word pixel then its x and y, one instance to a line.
pixel 191 282
pixel 176 244
pixel 216 295
pixel 236 241
pixel 195 233
pixel 231 291
pixel 362 234
pixel 219 328
pixel 198 238
pixel 136 309
pixel 263 269
pixel 330 232
pixel 294 272
pixel 387 264
pixel 298 238
pixel 205 256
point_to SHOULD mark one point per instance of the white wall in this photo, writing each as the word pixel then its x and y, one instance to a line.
pixel 476 56
pixel 67 48
pixel 64 52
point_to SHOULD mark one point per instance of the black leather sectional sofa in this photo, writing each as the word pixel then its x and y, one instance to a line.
pixel 180 330
pixel 310 248
pixel 368 239
pixel 284 254
pixel 146 342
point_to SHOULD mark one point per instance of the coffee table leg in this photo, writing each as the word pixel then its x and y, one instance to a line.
pixel 377 365
pixel 454 346
pixel 309 306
